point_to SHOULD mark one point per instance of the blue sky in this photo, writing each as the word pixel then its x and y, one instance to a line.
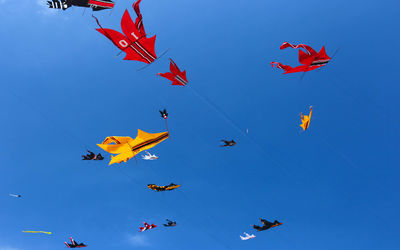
pixel 333 186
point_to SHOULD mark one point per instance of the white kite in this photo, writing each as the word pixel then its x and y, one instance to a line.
pixel 149 157
pixel 16 195
pixel 247 236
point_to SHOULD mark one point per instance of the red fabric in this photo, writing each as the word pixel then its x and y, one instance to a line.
pixel 139 18
pixel 136 47
pixel 310 59
pixel 102 4
pixel 176 76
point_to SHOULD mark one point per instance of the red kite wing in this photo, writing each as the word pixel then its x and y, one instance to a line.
pixel 288 69
pixel 129 28
pixel 308 49
pixel 123 44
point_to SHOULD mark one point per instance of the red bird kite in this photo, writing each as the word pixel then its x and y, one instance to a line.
pixel 310 59
pixel 134 41
pixel 176 76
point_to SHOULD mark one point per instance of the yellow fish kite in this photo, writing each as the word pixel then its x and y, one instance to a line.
pixel 125 147
pixel 37 232
pixel 305 120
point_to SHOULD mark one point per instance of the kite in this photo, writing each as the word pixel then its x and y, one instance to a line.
pixel 169 187
pixel 94 4
pixel 247 236
pixel 125 147
pixel 147 226
pixel 149 157
pixel 305 119
pixel 228 143
pixel 36 232
pixel 16 195
pixel 170 223
pixel 164 114
pixel 134 41
pixel 266 225
pixel 176 76
pixel 309 60
pixel 92 156
pixel 74 244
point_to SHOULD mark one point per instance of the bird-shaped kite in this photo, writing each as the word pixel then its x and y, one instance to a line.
pixel 177 76
pixel 125 147
pixel 305 119
pixel 309 60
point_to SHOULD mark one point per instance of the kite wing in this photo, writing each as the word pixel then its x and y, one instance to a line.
pixel 308 49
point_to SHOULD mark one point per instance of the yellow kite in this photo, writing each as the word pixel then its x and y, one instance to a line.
pixel 125 147
pixel 37 232
pixel 305 120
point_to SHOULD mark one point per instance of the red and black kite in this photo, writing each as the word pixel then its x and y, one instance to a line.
pixel 309 59
pixel 176 76
pixel 134 41
pixel 94 4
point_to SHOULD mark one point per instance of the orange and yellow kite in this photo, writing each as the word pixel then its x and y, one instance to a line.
pixel 125 147
pixel 305 120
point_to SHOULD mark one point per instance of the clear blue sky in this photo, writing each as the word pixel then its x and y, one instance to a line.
pixel 334 186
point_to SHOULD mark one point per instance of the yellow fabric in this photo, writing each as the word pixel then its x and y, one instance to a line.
pixel 36 232
pixel 172 187
pixel 305 120
pixel 126 147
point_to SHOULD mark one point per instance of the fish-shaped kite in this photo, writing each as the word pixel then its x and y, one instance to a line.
pixel 309 59
pixel 177 76
pixel 125 147
pixel 305 119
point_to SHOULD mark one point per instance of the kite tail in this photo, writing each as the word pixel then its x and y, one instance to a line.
pixel 166 124
pixel 237 128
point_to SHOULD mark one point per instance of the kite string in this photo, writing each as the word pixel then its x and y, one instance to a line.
pixel 237 128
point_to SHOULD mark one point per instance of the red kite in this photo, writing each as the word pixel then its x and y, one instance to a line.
pixel 310 59
pixel 176 76
pixel 133 42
